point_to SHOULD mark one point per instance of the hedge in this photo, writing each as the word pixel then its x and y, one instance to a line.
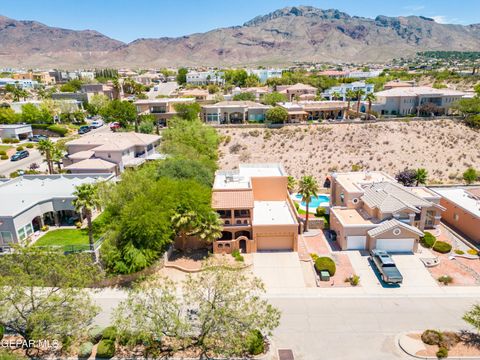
pixel 60 130
pixel 105 349
pixel 85 350
pixel 326 263
pixel 255 343
pixel 3 157
pixel 428 240
pixel 442 247
pixel 40 126
pixel 109 333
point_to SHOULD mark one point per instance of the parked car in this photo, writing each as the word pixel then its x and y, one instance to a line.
pixel 386 266
pixel 19 155
pixel 114 126
pixel 95 124
pixel 37 138
pixel 332 235
pixel 84 129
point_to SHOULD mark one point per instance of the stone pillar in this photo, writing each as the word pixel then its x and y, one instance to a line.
pixel 56 218
pixel 42 222
pixel 411 218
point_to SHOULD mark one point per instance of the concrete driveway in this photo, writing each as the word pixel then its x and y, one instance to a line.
pixel 415 275
pixel 280 271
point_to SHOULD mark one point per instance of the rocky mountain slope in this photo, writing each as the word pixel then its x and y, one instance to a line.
pixel 284 36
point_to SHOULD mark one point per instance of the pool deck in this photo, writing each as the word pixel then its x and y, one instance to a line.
pixel 312 209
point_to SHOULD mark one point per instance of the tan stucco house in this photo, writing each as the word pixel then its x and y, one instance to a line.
pixel 108 152
pixel 298 91
pixel 163 108
pixel 371 210
pixel 234 112
pixel 257 213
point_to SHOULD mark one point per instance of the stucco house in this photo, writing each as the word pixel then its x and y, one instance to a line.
pixel 462 209
pixel 256 210
pixel 298 91
pixel 315 110
pixel 105 152
pixel 31 201
pixel 234 112
pixel 163 108
pixel 371 210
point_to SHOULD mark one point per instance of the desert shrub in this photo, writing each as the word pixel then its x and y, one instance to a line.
pixel 95 334
pixel 325 263
pixel 442 353
pixel 78 224
pixel 3 152
pixel 4 157
pixel 44 228
pixel 255 343
pixel 236 255
pixel 29 146
pixel 40 126
pixel 57 129
pixel 227 139
pixel 105 349
pixel 235 148
pixel 85 350
pixel 320 211
pixel 109 333
pixel 472 252
pixel 459 252
pixel 354 280
pixel 442 247
pixel 445 279
pixel 20 148
pixel 449 339
pixel 326 222
pixel 6 141
pixel 431 337
pixel 428 240
pixel 254 133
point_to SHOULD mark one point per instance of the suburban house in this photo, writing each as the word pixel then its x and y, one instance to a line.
pixel 371 210
pixel 32 201
pixel 265 74
pixel 41 77
pixel 163 108
pixel 256 210
pixel 341 90
pixel 462 209
pixel 234 112
pixel 66 104
pixel 22 84
pixel 258 91
pixel 15 131
pixel 205 77
pixel 104 152
pixel 398 84
pixel 315 110
pixel 415 100
pixel 198 94
pixel 298 92
pixel 100 89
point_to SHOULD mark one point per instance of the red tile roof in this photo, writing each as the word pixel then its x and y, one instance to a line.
pixel 239 199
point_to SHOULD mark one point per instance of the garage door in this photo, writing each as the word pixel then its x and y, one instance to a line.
pixel 274 243
pixel 356 242
pixel 396 245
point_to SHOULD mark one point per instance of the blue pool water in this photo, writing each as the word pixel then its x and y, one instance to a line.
pixel 315 201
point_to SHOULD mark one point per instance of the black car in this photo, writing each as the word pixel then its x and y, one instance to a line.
pixel 332 235
pixel 84 129
pixel 37 138
pixel 19 155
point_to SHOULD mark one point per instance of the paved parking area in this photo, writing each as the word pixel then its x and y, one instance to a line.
pixel 280 271
pixel 415 275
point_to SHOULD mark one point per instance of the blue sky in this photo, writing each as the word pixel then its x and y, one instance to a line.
pixel 127 20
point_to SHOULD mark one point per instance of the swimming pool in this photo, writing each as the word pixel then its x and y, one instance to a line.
pixel 320 200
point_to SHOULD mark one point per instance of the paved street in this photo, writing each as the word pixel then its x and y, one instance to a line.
pixel 7 166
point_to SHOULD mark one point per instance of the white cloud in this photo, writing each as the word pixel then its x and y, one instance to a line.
pixel 441 19
pixel 414 7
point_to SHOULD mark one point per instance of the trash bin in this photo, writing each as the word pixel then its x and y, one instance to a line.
pixel 324 275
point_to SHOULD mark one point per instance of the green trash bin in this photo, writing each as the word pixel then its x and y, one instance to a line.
pixel 324 275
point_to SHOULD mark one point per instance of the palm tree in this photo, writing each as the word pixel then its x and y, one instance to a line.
pixel 336 95
pixel 349 95
pixel 209 228
pixel 291 184
pixel 87 200
pixel 46 148
pixel 57 155
pixel 183 222
pixel 358 95
pixel 421 176
pixel 308 188
pixel 370 97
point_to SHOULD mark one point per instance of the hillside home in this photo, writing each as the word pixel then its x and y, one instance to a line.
pixel 256 210
pixel 416 100
pixel 163 108
pixel 315 110
pixel 265 74
pixel 462 210
pixel 342 90
pixel 298 92
pixel 32 201
pixel 198 94
pixel 371 210
pixel 106 152
pixel 234 112
pixel 205 77
pixel 22 84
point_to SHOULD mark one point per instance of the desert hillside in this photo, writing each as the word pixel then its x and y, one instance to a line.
pixel 444 147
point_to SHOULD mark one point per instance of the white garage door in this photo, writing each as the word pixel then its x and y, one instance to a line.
pixel 396 245
pixel 356 242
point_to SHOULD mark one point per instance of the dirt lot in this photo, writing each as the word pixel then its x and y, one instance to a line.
pixel 444 147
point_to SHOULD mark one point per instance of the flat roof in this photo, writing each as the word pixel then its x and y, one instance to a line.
pixel 423 192
pixel 462 198
pixel 241 178
pixel 14 126
pixel 272 213
pixel 419 91
pixel 348 216
pixel 24 192
pixel 112 141
pixel 351 181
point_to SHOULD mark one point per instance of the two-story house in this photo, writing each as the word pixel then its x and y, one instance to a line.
pixel 371 210
pixel 163 108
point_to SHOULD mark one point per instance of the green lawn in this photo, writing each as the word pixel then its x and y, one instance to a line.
pixel 64 237
pixel 4 147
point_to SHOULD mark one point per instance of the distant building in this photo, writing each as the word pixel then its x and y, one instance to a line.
pixel 415 100
pixel 22 84
pixel 265 74
pixel 99 89
pixel 364 74
pixel 163 108
pixel 298 92
pixel 75 96
pixel 398 84
pixel 258 91
pixel 198 94
pixel 315 110
pixel 234 112
pixel 343 88
pixel 205 77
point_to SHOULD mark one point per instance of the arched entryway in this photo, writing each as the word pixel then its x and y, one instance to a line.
pixel 244 233
pixel 226 235
pixel 242 245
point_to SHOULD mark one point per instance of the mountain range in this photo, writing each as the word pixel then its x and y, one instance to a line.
pixel 288 35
